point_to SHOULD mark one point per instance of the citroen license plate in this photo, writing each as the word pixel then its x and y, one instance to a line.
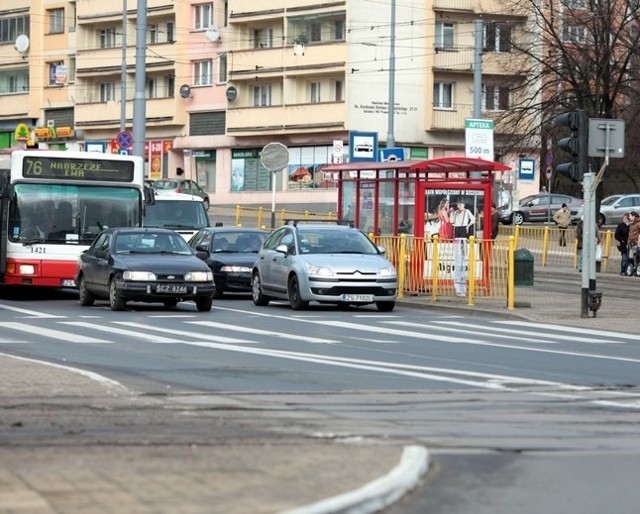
pixel 357 298
pixel 171 289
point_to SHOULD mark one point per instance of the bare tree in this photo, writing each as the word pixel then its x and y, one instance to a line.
pixel 580 54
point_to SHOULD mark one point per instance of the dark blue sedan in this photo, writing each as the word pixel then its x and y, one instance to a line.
pixel 143 265
pixel 230 253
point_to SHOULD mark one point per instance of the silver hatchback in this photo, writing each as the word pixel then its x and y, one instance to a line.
pixel 326 263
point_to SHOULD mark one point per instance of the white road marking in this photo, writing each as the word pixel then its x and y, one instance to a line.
pixel 257 331
pixel 518 332
pixel 29 313
pixel 203 337
pixel 574 330
pixel 121 331
pixel 69 337
pixel 471 330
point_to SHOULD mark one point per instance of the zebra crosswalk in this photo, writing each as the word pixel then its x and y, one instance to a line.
pixel 309 330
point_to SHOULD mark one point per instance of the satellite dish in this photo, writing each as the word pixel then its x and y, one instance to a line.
pixel 213 34
pixel 185 90
pixel 232 93
pixel 22 43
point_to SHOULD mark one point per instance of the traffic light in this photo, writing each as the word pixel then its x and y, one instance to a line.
pixel 576 145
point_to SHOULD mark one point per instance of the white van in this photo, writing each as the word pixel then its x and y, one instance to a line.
pixel 182 213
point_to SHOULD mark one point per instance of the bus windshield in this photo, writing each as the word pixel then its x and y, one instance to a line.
pixel 70 214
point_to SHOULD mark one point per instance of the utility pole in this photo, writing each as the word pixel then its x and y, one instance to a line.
pixel 123 70
pixel 139 100
pixel 391 142
pixel 477 70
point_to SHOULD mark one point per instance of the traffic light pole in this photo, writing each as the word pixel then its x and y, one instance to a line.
pixel 588 243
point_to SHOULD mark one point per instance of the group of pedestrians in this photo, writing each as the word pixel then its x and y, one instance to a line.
pixel 627 236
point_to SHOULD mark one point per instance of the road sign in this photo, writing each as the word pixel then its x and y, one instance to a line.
pixel 124 140
pixel 549 173
pixel 275 157
pixel 391 154
pixel 599 130
pixel 478 135
pixel 338 148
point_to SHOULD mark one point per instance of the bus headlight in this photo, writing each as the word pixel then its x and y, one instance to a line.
pixel 26 269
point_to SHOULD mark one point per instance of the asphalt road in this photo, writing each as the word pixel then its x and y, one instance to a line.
pixel 514 413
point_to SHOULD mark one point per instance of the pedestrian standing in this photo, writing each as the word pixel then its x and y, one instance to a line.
pixel 579 236
pixel 621 236
pixel 562 217
pixel 495 221
pixel 634 235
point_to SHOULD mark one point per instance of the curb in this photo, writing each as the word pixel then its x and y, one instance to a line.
pixel 379 493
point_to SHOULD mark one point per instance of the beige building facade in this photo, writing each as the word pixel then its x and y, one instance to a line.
pixel 225 78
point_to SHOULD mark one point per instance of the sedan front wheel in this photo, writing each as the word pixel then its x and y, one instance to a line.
pixel 116 301
pixel 256 291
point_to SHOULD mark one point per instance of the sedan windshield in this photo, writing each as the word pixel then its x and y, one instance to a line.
pixel 335 241
pixel 151 242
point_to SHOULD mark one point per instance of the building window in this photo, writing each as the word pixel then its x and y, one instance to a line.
pixel 315 32
pixel 263 38
pixel 72 17
pixel 338 30
pixel 72 68
pixel 262 96
pixel 152 88
pixel 107 91
pixel 444 35
pixel 169 86
pixel 108 38
pixel 574 34
pixel 314 97
pixel 495 98
pixel 11 28
pixel 56 21
pixel 202 73
pixel 152 34
pixel 170 32
pixel 443 95
pixel 497 38
pixel 14 81
pixel 203 16
pixel 222 68
pixel 339 90
pixel 56 71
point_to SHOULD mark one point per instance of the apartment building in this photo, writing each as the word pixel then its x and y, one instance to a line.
pixel 225 78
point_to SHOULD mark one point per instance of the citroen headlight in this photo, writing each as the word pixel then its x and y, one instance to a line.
pixel 318 271
pixel 145 276
pixel 198 276
pixel 235 269
pixel 387 272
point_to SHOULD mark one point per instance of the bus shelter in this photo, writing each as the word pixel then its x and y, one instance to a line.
pixel 391 198
pixel 406 197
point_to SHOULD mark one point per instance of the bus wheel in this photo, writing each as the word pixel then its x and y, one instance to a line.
pixel 116 301
pixel 85 297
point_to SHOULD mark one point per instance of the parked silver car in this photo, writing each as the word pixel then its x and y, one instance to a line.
pixel 327 263
pixel 542 207
pixel 612 208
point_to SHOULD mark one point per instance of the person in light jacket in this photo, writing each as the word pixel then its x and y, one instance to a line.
pixel 562 217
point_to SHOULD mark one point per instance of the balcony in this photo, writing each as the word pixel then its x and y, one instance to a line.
pixel 458 58
pixel 298 118
pixel 90 11
pixel 275 62
pixel 505 121
pixel 14 105
pixel 94 114
pixel 480 6
pixel 101 61
pixel 451 119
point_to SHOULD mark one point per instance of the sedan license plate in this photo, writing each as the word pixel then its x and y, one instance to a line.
pixel 357 298
pixel 171 288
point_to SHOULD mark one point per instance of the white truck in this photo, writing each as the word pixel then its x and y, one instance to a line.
pixel 182 213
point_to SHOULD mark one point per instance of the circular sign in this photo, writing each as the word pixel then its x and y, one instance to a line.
pixel 124 140
pixel 275 157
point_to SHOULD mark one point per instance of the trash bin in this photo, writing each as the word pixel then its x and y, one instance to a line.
pixel 523 267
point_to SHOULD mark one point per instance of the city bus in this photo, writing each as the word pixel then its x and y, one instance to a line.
pixel 53 205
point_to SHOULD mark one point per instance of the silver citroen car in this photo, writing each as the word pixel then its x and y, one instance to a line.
pixel 326 263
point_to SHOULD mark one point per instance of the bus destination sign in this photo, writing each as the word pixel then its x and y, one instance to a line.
pixel 73 168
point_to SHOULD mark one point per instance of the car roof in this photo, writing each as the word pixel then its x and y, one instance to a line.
pixel 161 197
pixel 228 230
pixel 139 230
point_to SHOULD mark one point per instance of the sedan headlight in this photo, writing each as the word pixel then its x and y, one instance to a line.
pixel 387 272
pixel 198 276
pixel 318 271
pixel 145 276
pixel 235 269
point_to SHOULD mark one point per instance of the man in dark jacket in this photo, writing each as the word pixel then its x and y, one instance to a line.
pixel 622 238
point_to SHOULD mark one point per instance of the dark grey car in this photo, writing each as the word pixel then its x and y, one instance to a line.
pixel 542 207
